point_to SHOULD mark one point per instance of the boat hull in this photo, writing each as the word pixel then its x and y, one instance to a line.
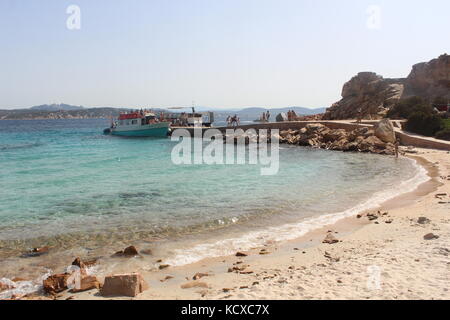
pixel 156 130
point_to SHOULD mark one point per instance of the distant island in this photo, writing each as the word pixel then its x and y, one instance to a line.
pixel 67 111
pixel 60 111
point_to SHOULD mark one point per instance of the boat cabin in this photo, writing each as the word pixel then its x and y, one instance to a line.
pixel 137 119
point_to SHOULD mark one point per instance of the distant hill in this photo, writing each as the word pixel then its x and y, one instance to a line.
pixel 56 107
pixel 83 113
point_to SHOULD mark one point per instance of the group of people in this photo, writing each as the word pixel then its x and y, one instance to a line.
pixel 265 117
pixel 292 116
pixel 233 121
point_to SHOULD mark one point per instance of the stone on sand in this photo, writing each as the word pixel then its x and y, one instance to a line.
pixel 194 284
pixel 86 283
pixel 55 283
pixel 330 239
pixel 423 220
pixel 430 236
pixel 129 285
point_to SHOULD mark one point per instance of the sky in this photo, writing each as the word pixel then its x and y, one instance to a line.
pixel 217 53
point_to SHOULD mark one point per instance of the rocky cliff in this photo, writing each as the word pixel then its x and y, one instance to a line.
pixel 373 95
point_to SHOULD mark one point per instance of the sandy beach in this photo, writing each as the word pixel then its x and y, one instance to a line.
pixel 384 257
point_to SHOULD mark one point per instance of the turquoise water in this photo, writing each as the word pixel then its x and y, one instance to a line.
pixel 64 179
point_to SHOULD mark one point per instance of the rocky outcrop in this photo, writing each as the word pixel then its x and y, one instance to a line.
pixel 370 96
pixel 367 95
pixel 320 136
pixel 430 79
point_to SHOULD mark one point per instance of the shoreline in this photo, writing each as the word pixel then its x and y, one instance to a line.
pixel 308 250
pixel 298 269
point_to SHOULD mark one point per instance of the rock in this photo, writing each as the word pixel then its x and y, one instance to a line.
pixel 129 285
pixel 237 269
pixel 423 220
pixel 330 239
pixel 163 266
pixel 77 262
pixel 334 135
pixel 374 96
pixel 367 92
pixel 18 279
pixel 194 284
pixel 384 130
pixel 36 252
pixel 241 254
pixel 6 284
pixel 372 141
pixel 264 251
pixel 331 258
pixel 86 283
pixel 199 275
pixel 431 79
pixel 389 221
pixel 430 236
pixel 130 251
pixel 247 272
pixel 166 278
pixel 55 283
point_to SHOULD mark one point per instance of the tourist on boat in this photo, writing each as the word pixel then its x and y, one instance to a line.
pixel 229 121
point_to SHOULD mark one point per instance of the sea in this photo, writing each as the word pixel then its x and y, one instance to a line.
pixel 66 185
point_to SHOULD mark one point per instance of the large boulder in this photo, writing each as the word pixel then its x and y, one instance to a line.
pixel 129 285
pixel 384 130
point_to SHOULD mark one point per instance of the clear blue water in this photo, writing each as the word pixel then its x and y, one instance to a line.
pixel 65 180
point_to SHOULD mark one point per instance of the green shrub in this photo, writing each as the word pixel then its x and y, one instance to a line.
pixel 446 122
pixel 443 134
pixel 427 124
pixel 406 107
